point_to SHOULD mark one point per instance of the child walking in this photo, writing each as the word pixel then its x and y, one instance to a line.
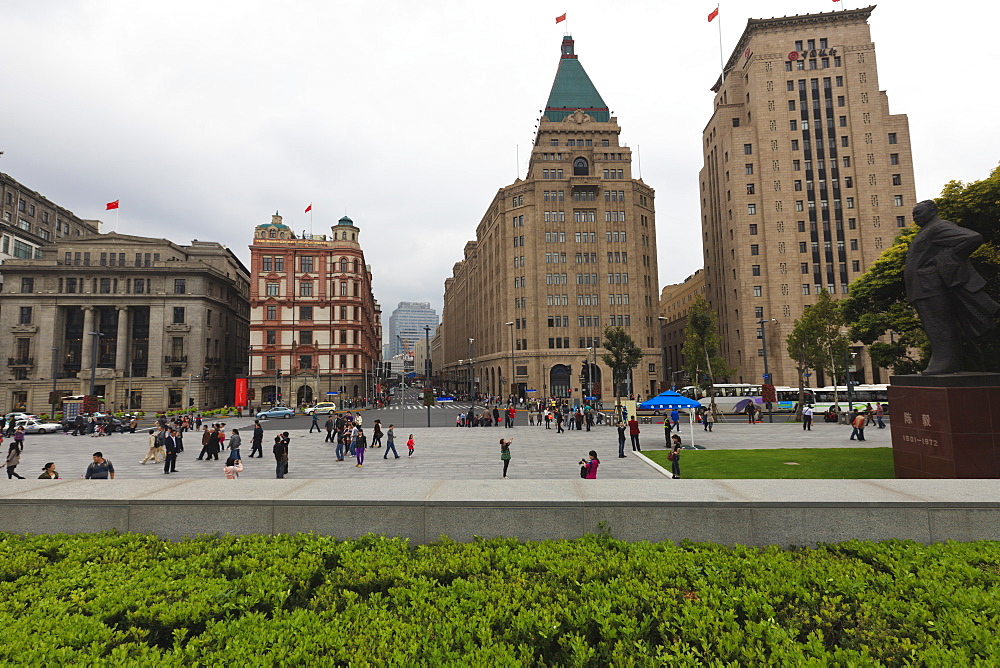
pixel 409 445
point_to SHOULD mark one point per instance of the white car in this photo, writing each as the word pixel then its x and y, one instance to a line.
pixel 19 416
pixel 322 407
pixel 36 426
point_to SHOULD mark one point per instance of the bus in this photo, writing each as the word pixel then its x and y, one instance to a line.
pixel 729 395
pixel 860 394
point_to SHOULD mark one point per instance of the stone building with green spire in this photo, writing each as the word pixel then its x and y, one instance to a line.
pixel 558 256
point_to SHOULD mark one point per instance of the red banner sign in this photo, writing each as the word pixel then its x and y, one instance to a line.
pixel 241 393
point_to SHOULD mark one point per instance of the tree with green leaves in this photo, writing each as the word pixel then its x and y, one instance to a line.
pixel 832 344
pixel 877 304
pixel 622 355
pixel 804 348
pixel 702 361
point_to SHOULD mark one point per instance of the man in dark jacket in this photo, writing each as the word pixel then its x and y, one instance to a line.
pixel 170 442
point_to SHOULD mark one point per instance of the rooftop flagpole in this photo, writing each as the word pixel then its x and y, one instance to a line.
pixel 722 61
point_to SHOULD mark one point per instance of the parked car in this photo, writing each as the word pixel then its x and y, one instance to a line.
pixel 36 426
pixel 276 412
pixel 17 415
pixel 322 407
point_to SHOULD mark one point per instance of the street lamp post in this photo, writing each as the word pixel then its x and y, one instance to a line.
pixel 472 398
pixel 55 374
pixel 93 360
pixel 590 378
pixel 427 370
pixel 511 325
pixel 663 352
pixel 767 376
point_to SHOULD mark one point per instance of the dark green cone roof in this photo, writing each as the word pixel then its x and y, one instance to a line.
pixel 573 89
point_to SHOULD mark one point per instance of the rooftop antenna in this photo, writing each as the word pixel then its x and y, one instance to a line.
pixel 638 158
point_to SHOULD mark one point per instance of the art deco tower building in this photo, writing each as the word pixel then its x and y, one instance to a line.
pixel 558 256
pixel 807 178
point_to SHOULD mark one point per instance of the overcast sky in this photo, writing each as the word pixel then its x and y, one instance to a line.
pixel 204 117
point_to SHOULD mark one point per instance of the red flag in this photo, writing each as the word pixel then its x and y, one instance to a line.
pixel 112 205
pixel 309 208
pixel 560 19
pixel 715 12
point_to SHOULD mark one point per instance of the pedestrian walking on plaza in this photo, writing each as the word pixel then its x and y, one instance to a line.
pixel 531 418
pixel 329 429
pixel 496 417
pixel 505 455
pixel 390 443
pixel 360 443
pixel 675 419
pixel 858 422
pixel 233 468
pixel 235 441
pixel 590 465
pixel 633 434
pixel 19 437
pixel 172 448
pixel 205 435
pixel 99 469
pixel 212 448
pixel 879 414
pixel 751 411
pixel 280 451
pixel 548 419
pixel 377 434
pixel 559 422
pixel 675 456
pixel 409 445
pixel 315 422
pixel 78 425
pixel 807 418
pixel 49 472
pixel 154 440
pixel 257 440
pixel 869 414
pixel 13 460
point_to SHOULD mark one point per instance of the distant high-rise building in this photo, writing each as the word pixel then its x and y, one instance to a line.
pixel 558 256
pixel 407 324
pixel 807 179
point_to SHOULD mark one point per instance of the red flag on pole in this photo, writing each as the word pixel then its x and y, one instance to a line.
pixel 309 208
pixel 715 12
pixel 560 19
pixel 112 205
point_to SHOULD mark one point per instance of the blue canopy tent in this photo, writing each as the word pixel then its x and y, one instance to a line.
pixel 668 401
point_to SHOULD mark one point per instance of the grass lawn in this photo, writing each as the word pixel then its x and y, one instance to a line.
pixel 808 463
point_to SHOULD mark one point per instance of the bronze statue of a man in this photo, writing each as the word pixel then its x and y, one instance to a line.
pixel 944 288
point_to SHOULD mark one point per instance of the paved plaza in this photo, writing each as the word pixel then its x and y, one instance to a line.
pixel 442 453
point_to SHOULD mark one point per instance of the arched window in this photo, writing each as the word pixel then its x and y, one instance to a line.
pixel 273 234
pixel 357 266
pixel 559 378
pixel 580 167
pixel 343 265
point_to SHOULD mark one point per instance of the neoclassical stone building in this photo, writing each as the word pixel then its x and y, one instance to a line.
pixel 315 325
pixel 558 256
pixel 170 323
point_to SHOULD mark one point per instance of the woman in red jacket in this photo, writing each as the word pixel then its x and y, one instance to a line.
pixel 591 465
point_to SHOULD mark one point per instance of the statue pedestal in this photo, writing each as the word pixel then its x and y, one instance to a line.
pixel 946 426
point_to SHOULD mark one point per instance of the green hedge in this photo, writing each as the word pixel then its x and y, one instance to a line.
pixel 126 598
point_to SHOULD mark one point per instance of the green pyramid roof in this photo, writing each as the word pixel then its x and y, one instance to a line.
pixel 573 89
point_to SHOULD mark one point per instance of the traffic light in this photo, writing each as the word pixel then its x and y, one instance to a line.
pixel 277 373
